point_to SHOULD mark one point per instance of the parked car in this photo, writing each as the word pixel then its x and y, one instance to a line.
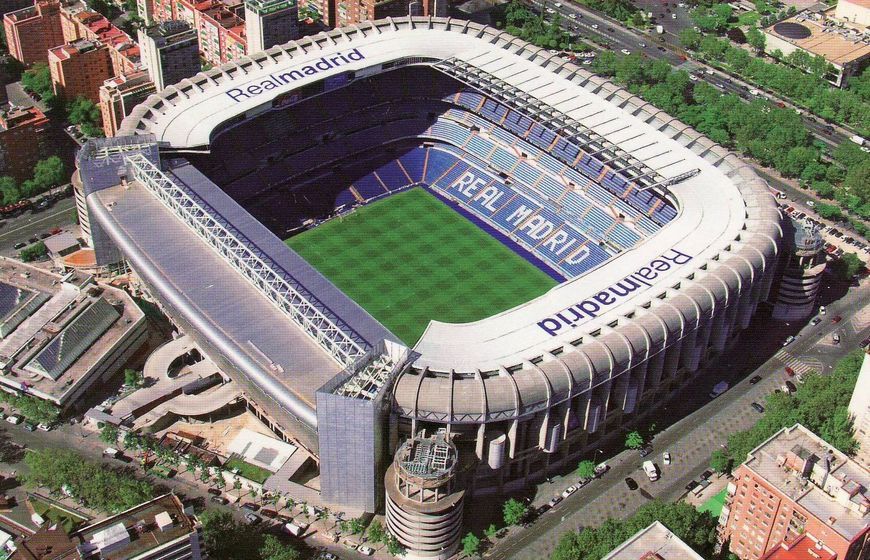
pixel 691 485
pixel 816 321
pixel 754 379
pixel 706 474
pixel 30 427
pixel 631 483
pixel 15 419
pixel 865 343
pixel 555 501
pixel 20 245
pixel 568 491
pixel 214 491
pixel 758 408
pixel 646 450
pixel 789 371
pixel 250 506
pixel 42 427
pixel 837 319
pixel 366 550
pixel 252 518
pixel 836 338
pixel 666 458
pixel 789 340
pixel 822 310
pixel 219 500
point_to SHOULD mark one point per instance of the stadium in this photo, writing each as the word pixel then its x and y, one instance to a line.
pixel 428 224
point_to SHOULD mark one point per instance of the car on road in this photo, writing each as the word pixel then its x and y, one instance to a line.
pixel 758 408
pixel 816 321
pixel 612 30
pixel 252 518
pixel 651 471
pixel 42 427
pixel 691 485
pixel 754 379
pixel 44 235
pixel 666 457
pixel 693 77
pixel 568 491
pixel 572 16
pixel 706 474
pixel 543 509
pixel 789 340
pixel 837 319
pixel 250 506
pixel 551 11
pixel 555 501
pixel 219 500
pixel 631 483
pixel 673 16
pixel 646 450
pixel 836 338
pixel 594 26
pixel 366 550
pixel 789 371
pixel 30 427
pixel 33 240
pixel 20 245
pixel 642 45
pixel 625 52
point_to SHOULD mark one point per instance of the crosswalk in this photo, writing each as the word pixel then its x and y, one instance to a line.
pixel 800 365
pixel 861 319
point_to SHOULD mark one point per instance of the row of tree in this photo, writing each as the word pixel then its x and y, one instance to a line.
pixel 773 136
pixel 48 173
pixel 820 404
pixel 33 253
pixel 34 409
pixel 801 79
pixel 534 28
pixel 226 539
pixel 695 528
pixel 95 485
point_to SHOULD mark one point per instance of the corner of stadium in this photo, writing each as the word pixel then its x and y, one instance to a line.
pixel 428 224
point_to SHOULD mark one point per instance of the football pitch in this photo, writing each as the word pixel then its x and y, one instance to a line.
pixel 410 258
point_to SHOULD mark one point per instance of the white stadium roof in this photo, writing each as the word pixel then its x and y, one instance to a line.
pixel 725 213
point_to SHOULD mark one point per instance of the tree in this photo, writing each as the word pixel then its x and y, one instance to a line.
pixel 49 172
pixel 720 462
pixel 109 434
pixel 394 547
pixel 491 532
pixel 376 532
pixel 514 512
pixel 38 80
pixel 225 539
pixel 829 212
pixel 356 526
pixel 273 549
pixel 9 190
pixel 586 469
pixel 470 544
pixel 756 40
pixel 33 253
pixel 847 266
pixel 633 440
pixel 133 378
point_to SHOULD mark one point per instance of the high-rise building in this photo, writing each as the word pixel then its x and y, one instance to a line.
pixel 145 8
pixel 338 13
pixel 802 265
pixel 24 138
pixel 795 485
pixel 170 52
pixel 118 96
pixel 221 34
pixel 84 24
pixel 270 22
pixel 655 542
pixel 79 69
pixel 32 31
pixel 859 410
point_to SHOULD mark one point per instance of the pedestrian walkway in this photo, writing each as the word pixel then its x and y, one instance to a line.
pixel 799 365
pixel 861 319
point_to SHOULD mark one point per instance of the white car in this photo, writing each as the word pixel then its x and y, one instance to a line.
pixel 573 16
pixel 43 427
pixel 666 458
pixel 366 550
pixel 673 16
pixel 822 310
pixel 625 52
pixel 555 501
pixel 789 340
pixel 551 11
pixel 709 72
pixel 587 62
pixel 558 4
pixel 693 77
pixel 754 92
pixel 594 26
pixel 568 491
pixel 811 203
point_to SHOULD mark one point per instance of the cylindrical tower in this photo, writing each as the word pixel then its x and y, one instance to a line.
pixel 424 501
pixel 801 275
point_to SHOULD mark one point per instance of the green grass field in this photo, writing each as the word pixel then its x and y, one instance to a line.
pixel 714 505
pixel 410 258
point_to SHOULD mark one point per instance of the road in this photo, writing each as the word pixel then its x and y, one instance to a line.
pixel 702 426
pixel 606 31
pixel 29 224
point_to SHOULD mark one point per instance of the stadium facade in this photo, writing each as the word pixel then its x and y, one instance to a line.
pixel 665 242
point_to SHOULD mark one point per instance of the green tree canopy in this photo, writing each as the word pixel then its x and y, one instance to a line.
pixel 633 440
pixel 586 469
pixel 470 544
pixel 109 434
pixel 273 549
pixel 514 512
pixel 9 190
pixel 720 462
